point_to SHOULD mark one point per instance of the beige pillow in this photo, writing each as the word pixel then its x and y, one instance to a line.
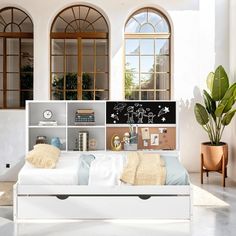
pixel 43 156
pixel 48 148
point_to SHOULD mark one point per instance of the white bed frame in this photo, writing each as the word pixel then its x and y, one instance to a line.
pixel 84 202
pixel 72 202
pixel 75 202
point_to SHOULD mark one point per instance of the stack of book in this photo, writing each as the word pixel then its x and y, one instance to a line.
pixel 47 123
pixel 83 140
pixel 84 117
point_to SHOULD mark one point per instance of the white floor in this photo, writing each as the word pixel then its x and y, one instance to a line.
pixel 215 220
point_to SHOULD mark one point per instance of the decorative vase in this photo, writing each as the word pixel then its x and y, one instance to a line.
pixel 55 141
pixel 212 155
pixel 41 139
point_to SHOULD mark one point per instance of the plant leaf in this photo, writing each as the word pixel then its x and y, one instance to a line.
pixel 220 84
pixel 209 81
pixel 228 117
pixel 210 104
pixel 201 114
pixel 227 102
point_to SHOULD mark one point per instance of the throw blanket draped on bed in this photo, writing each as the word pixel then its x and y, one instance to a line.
pixel 144 169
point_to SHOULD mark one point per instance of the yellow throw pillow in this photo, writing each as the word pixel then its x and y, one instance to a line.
pixel 48 148
pixel 43 156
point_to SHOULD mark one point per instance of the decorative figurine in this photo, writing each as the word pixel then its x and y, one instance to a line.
pixel 115 143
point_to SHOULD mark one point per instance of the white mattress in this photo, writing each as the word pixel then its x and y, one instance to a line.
pixel 65 173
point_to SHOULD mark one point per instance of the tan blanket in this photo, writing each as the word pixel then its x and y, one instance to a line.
pixel 144 169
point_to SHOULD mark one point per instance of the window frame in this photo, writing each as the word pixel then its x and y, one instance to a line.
pixel 79 36
pixel 13 35
pixel 153 36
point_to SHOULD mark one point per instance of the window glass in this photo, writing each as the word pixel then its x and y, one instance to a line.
pixel 101 63
pixel 1 81
pixel 101 47
pixel 147 81
pixel 13 63
pixel 71 64
pixel 13 46
pixel 162 81
pixel 13 99
pixel 58 64
pixel 1 45
pixel 147 64
pixel 162 46
pixel 132 47
pixel 146 46
pixel 102 81
pixel 1 99
pixel 13 81
pixel 1 63
pixel 58 46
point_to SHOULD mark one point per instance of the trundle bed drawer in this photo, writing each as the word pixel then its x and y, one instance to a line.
pixel 103 207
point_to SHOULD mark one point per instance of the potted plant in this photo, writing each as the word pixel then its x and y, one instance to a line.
pixel 216 113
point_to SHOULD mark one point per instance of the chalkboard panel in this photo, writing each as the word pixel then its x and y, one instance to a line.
pixel 152 112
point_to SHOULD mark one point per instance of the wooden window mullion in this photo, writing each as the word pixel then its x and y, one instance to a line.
pixel 64 70
pixel 12 20
pixel 95 65
pixel 51 87
pixel 154 75
pixel 4 73
pixel 139 70
pixel 79 76
pixel 19 40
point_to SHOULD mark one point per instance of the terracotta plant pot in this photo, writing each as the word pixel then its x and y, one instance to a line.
pixel 212 155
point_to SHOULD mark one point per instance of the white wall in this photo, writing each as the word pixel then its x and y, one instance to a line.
pixel 12 143
pixel 200 42
pixel 232 66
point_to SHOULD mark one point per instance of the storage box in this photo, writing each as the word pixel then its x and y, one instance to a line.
pixel 131 147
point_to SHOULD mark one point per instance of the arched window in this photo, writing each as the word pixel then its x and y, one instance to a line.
pixel 16 58
pixel 147 56
pixel 79 55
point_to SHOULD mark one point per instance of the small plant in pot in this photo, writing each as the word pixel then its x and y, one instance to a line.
pixel 216 113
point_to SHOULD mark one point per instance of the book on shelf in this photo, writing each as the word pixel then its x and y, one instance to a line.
pixel 48 122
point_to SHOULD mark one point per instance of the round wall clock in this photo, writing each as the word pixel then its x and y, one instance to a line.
pixel 47 114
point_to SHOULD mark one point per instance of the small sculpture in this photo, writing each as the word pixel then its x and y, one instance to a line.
pixel 126 138
pixel 115 143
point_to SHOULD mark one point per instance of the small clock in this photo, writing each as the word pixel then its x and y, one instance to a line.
pixel 47 114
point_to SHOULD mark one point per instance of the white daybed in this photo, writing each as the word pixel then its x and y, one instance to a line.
pixel 39 195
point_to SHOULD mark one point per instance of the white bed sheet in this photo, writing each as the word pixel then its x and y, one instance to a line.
pixel 65 173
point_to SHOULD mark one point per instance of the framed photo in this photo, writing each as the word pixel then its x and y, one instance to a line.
pixel 154 139
pixel 115 143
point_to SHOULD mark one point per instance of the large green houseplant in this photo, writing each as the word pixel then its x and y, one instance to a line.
pixel 216 113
